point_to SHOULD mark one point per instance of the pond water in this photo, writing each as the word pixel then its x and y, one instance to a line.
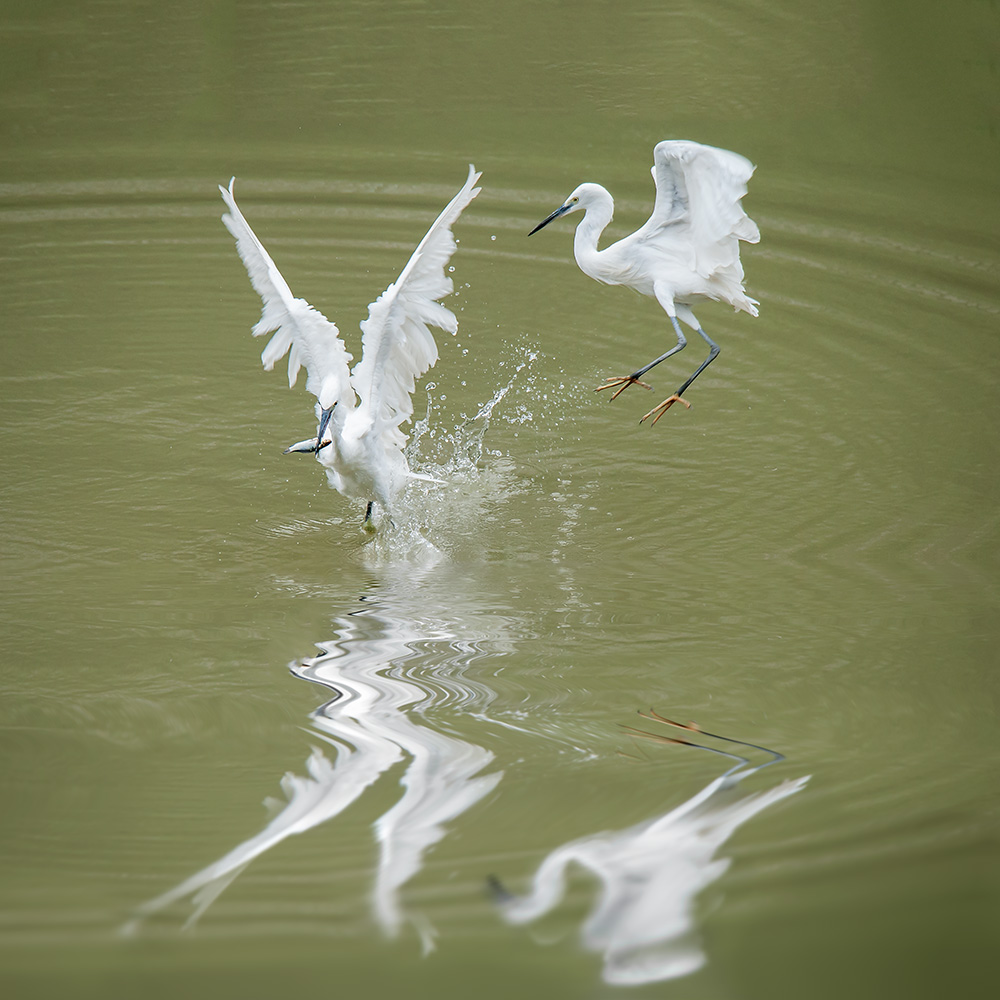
pixel 805 561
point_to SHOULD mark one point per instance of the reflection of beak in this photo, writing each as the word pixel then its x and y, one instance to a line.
pixel 561 210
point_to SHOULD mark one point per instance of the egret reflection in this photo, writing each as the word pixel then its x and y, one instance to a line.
pixel 442 780
pixel 391 669
pixel 373 721
pixel 643 922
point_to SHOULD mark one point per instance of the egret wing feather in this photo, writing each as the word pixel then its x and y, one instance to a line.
pixel 700 187
pixel 302 332
pixel 398 346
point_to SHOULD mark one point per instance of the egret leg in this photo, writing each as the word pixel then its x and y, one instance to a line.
pixel 620 384
pixel 368 524
pixel 713 352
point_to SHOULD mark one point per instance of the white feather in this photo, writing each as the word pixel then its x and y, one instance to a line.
pixel 365 457
pixel 698 199
pixel 397 342
pixel 301 331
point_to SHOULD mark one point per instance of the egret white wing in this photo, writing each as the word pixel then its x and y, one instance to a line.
pixel 397 345
pixel 300 331
pixel 701 186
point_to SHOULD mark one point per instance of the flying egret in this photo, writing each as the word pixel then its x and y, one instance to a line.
pixel 359 410
pixel 687 251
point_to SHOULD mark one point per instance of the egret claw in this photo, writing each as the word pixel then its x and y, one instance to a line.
pixel 663 407
pixel 622 382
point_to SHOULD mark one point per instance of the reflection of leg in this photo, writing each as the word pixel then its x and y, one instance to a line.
pixel 693 727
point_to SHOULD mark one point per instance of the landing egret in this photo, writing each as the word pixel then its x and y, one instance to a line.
pixel 688 251
pixel 359 440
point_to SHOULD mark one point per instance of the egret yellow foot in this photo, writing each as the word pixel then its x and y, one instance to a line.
pixel 620 384
pixel 664 406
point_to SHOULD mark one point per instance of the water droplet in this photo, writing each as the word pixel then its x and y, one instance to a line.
pixel 492 237
pixel 451 267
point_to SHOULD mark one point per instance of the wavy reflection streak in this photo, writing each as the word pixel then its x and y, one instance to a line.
pixel 369 727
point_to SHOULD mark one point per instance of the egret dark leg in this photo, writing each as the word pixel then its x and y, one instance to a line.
pixel 368 524
pixel 713 352
pixel 679 346
pixel 621 384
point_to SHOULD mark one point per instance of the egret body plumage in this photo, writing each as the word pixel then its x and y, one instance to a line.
pixel 687 252
pixel 360 410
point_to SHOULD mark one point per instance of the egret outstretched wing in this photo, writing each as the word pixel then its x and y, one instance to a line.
pixel 687 251
pixel 701 186
pixel 398 346
pixel 301 331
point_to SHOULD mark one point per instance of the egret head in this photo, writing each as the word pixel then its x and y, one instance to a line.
pixel 582 197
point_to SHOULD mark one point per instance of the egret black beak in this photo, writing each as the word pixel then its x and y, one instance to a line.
pixel 323 423
pixel 317 443
pixel 561 210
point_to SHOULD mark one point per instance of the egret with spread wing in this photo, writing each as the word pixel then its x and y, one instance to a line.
pixel 359 440
pixel 688 251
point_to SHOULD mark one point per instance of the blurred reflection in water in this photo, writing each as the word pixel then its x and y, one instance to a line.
pixel 441 781
pixel 374 719
pixel 372 722
pixel 389 664
pixel 650 874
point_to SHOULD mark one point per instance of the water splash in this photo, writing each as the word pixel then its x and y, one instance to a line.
pixel 462 449
pixel 456 478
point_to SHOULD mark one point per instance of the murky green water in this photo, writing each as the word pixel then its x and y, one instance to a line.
pixel 806 560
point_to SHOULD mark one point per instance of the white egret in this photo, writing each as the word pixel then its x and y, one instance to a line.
pixel 359 410
pixel 688 251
